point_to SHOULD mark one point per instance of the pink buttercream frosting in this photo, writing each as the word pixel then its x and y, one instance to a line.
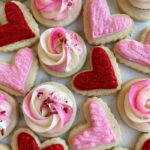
pixel 134 51
pixel 139 98
pixel 47 109
pixel 55 9
pixel 5 114
pixel 60 49
pixel 14 76
pixel 101 21
pixel 99 133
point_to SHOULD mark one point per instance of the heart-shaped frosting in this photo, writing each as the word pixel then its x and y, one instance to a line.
pixel 14 76
pixel 17 26
pixel 102 75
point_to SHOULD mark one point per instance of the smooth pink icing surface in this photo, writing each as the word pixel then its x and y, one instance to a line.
pixel 98 134
pixel 134 51
pixel 136 96
pixel 5 114
pixel 101 21
pixel 14 76
pixel 55 9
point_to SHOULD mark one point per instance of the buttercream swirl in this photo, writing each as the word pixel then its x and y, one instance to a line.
pixel 137 102
pixel 47 109
pixel 5 114
pixel 55 9
pixel 60 50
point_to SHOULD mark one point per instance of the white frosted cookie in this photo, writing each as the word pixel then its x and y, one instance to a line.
pixel 56 13
pixel 119 148
pixel 8 114
pixel 133 104
pixel 134 12
pixel 143 142
pixel 25 139
pixel 101 131
pixel 62 52
pixel 4 147
pixel 18 23
pixel 103 78
pixel 18 77
pixel 49 109
pixel 135 54
pixel 101 27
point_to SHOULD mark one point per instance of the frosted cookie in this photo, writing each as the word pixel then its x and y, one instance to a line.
pixel 101 27
pixel 25 139
pixel 56 13
pixel 135 54
pixel 137 9
pixel 62 52
pixel 49 109
pixel 119 148
pixel 104 76
pixel 143 142
pixel 4 147
pixel 19 28
pixel 8 114
pixel 133 104
pixel 101 131
pixel 18 77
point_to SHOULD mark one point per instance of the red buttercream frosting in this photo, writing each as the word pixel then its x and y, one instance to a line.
pixel 101 77
pixel 17 28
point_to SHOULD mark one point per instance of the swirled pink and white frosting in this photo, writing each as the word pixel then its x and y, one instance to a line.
pixel 60 50
pixel 137 102
pixel 5 114
pixel 55 9
pixel 47 110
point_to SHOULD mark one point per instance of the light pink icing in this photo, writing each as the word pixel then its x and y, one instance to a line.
pixel 45 108
pixel 134 51
pixel 98 134
pixel 136 96
pixel 5 114
pixel 101 21
pixel 55 9
pixel 14 76
pixel 62 47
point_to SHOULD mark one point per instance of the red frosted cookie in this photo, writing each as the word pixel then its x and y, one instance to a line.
pixel 104 76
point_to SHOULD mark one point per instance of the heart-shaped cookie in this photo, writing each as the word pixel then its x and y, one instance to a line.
pixel 25 139
pixel 104 77
pixel 20 25
pixel 135 54
pixel 18 78
pixel 101 130
pixel 101 27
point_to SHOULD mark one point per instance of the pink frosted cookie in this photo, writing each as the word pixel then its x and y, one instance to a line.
pixel 135 54
pixel 101 27
pixel 137 9
pixel 8 114
pixel 25 139
pixel 133 104
pixel 49 109
pixel 143 142
pixel 18 28
pixel 101 131
pixel 56 13
pixel 62 52
pixel 18 77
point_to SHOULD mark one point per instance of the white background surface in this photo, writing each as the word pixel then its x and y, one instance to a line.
pixel 129 136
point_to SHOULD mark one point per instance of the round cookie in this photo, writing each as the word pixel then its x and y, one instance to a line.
pixel 130 95
pixel 4 147
pixel 62 52
pixel 58 16
pixel 119 148
pixel 53 109
pixel 141 4
pixel 8 114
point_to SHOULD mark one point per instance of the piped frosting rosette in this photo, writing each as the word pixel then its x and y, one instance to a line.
pixel 49 109
pixel 61 52
pixel 8 114
pixel 136 103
